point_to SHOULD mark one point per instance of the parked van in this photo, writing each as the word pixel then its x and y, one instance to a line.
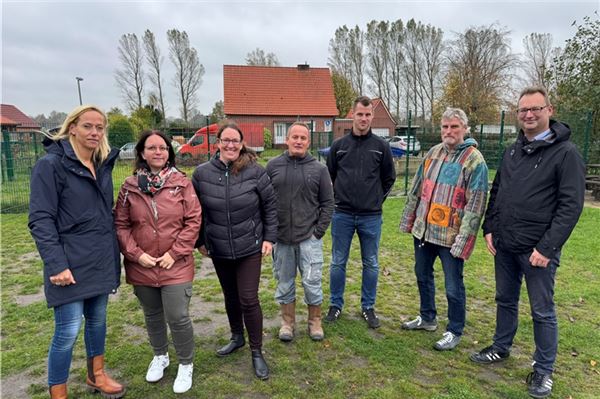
pixel 205 139
pixel 201 142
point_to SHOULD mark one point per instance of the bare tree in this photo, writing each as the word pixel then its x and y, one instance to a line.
pixel 431 47
pixel 346 55
pixel 538 57
pixel 257 57
pixel 357 58
pixel 339 61
pixel 189 70
pixel 378 54
pixel 481 70
pixel 130 78
pixel 396 63
pixel 155 59
pixel 412 67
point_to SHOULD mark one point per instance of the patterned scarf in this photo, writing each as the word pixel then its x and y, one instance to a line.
pixel 151 183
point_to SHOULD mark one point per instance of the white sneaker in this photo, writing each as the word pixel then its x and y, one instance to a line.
pixel 183 382
pixel 448 342
pixel 157 367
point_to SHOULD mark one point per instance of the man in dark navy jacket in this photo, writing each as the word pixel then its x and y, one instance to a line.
pixel 362 172
pixel 535 202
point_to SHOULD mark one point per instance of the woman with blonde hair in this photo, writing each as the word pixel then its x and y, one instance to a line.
pixel 71 220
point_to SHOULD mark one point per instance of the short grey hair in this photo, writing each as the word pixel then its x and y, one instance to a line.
pixel 458 113
pixel 304 125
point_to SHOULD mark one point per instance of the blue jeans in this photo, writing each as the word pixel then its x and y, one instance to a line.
pixel 425 254
pixel 510 269
pixel 67 322
pixel 368 228
pixel 307 257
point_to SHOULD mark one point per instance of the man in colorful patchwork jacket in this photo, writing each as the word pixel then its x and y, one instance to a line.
pixel 445 205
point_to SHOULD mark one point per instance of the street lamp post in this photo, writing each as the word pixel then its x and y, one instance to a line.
pixel 79 88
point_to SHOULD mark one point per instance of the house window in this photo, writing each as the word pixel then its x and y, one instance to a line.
pixel 280 131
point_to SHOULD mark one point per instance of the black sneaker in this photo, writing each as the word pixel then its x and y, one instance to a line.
pixel 488 355
pixel 333 314
pixel 371 318
pixel 539 385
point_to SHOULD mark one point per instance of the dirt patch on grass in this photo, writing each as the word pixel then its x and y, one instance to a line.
pixel 25 300
pixel 15 386
pixel 209 318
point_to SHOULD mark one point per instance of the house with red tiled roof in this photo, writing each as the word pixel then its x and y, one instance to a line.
pixel 8 124
pixel 276 97
pixel 383 123
pixel 16 119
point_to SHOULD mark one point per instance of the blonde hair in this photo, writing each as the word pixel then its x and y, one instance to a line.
pixel 101 153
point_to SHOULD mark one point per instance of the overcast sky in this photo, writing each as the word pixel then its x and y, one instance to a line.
pixel 46 44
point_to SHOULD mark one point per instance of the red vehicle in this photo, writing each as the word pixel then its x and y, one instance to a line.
pixel 205 139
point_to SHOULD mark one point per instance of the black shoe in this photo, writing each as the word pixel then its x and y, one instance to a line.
pixel 371 318
pixel 236 342
pixel 539 385
pixel 260 366
pixel 333 314
pixel 488 355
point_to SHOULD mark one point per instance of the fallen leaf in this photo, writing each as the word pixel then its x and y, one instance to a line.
pixel 475 342
pixel 386 272
pixel 593 363
pixel 574 353
pixel 571 319
pixel 581 300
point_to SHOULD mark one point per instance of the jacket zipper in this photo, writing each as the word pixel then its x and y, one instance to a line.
pixel 295 164
pixel 229 233
pixel 152 207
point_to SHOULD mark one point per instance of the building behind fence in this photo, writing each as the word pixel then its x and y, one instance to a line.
pixel 20 151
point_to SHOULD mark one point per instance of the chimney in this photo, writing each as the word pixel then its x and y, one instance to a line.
pixel 303 67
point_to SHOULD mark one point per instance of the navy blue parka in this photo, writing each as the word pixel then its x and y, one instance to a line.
pixel 71 220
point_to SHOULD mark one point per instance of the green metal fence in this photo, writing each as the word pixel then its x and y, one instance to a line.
pixel 21 150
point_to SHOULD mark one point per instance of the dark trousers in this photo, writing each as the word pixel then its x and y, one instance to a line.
pixel 510 269
pixel 239 280
pixel 425 255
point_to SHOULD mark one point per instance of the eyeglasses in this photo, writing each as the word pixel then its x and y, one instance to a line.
pixel 153 148
pixel 534 110
pixel 230 141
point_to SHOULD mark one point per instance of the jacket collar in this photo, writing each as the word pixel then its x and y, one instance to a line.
pixel 306 158
pixel 560 132
pixel 362 137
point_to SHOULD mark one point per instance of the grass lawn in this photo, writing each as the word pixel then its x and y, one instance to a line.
pixel 352 362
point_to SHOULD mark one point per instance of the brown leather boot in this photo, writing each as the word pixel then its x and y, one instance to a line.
pixel 98 380
pixel 288 319
pixel 315 331
pixel 58 391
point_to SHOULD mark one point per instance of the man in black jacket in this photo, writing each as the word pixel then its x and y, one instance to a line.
pixel 362 171
pixel 535 202
pixel 304 208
